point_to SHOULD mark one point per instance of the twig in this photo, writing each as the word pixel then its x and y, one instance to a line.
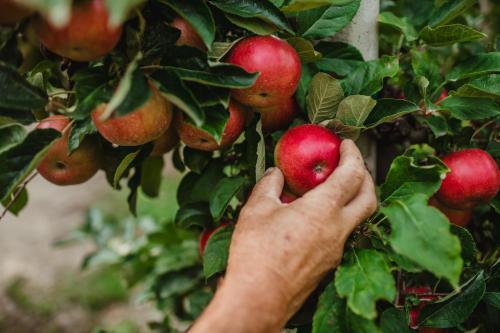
pixel 18 193
pixel 65 92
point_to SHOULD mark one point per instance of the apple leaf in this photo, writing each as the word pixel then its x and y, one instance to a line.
pixel 225 190
pixel 11 135
pixel 19 161
pixel 388 110
pixel 197 13
pixel 193 187
pixel 20 201
pixel 343 130
pixel 79 130
pixel 401 24
pixel 193 214
pixel 301 5
pixel 353 110
pixel 124 166
pixel 325 94
pixel 58 12
pixel 307 73
pixel 259 10
pixel 448 10
pixel 394 321
pixel 486 86
pixel 176 257
pixel 493 299
pixel 217 251
pixel 325 21
pixel 364 278
pixel 476 65
pixel 196 160
pixel 221 75
pixel 221 49
pixel 470 108
pixel 91 88
pixel 424 64
pixel 151 175
pixel 455 308
pixel 422 234
pixel 406 177
pixel 470 252
pixel 255 148
pixel 305 49
pixel 449 34
pixel 119 10
pixel 333 315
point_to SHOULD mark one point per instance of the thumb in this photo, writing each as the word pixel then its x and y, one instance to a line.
pixel 268 188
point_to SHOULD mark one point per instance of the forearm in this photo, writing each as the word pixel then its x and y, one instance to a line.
pixel 236 308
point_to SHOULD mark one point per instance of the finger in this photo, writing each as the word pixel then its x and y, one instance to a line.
pixel 344 183
pixel 268 189
pixel 363 205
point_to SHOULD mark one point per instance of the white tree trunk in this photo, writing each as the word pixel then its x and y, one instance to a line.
pixel 362 32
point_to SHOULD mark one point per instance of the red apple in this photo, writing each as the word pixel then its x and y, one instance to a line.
pixel 425 295
pixel 474 179
pixel 197 138
pixel 278 64
pixel 456 216
pixel 205 236
pixel 444 94
pixel 62 168
pixel 143 125
pixel 307 155
pixel 287 197
pixel 12 12
pixel 86 37
pixel 166 142
pixel 278 116
pixel 188 36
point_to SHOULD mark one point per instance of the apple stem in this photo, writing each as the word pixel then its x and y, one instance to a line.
pixel 17 194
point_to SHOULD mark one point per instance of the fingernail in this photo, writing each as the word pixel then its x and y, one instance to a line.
pixel 268 171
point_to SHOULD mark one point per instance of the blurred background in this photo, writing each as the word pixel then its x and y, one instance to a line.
pixel 61 258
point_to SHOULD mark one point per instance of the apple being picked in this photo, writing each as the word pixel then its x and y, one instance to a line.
pixel 11 12
pixel 205 236
pixel 145 124
pixel 197 138
pixel 188 36
pixel 278 64
pixel 425 296
pixel 307 155
pixel 59 166
pixel 474 179
pixel 86 37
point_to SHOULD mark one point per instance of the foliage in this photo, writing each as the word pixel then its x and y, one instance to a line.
pixel 426 46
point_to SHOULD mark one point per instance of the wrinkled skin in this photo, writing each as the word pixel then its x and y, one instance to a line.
pixel 278 64
pixel 307 155
pixel 196 138
pixel 279 116
pixel 456 216
pixel 143 125
pixel 12 12
pixel 60 167
pixel 166 142
pixel 474 179
pixel 188 36
pixel 86 37
pixel 288 248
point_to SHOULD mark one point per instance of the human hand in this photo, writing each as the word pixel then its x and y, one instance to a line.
pixel 279 252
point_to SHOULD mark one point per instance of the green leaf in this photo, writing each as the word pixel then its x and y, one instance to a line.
pixel 262 10
pixel 455 308
pixel 422 234
pixel 11 135
pixel 305 49
pixel 255 25
pixel 470 252
pixel 449 34
pixel 79 131
pixel 493 299
pixel 92 88
pixel 197 13
pixel 177 257
pixel 354 109
pixel 343 130
pixel 20 201
pixel 470 108
pixel 305 80
pixel 394 321
pixel 339 58
pixel 217 251
pixel 400 24
pixel 255 148
pixel 330 312
pixel 476 65
pixel 406 177
pixel 119 10
pixel 364 278
pixel 448 11
pixel 368 78
pixel 193 214
pixel 388 110
pixel 225 190
pixel 486 86
pixel 132 92
pixel 193 187
pixel 221 49
pixel 215 123
pixel 19 161
pixel 58 12
pixel 124 166
pixel 196 160
pixel 172 87
pixel 17 94
pixel 326 21
pixel 151 175
pixel 325 94
pixel 425 64
pixel 221 75
pixel 301 5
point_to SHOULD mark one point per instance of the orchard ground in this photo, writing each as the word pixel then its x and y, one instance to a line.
pixel 42 285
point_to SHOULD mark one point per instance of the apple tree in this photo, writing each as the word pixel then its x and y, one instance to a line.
pixel 110 85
